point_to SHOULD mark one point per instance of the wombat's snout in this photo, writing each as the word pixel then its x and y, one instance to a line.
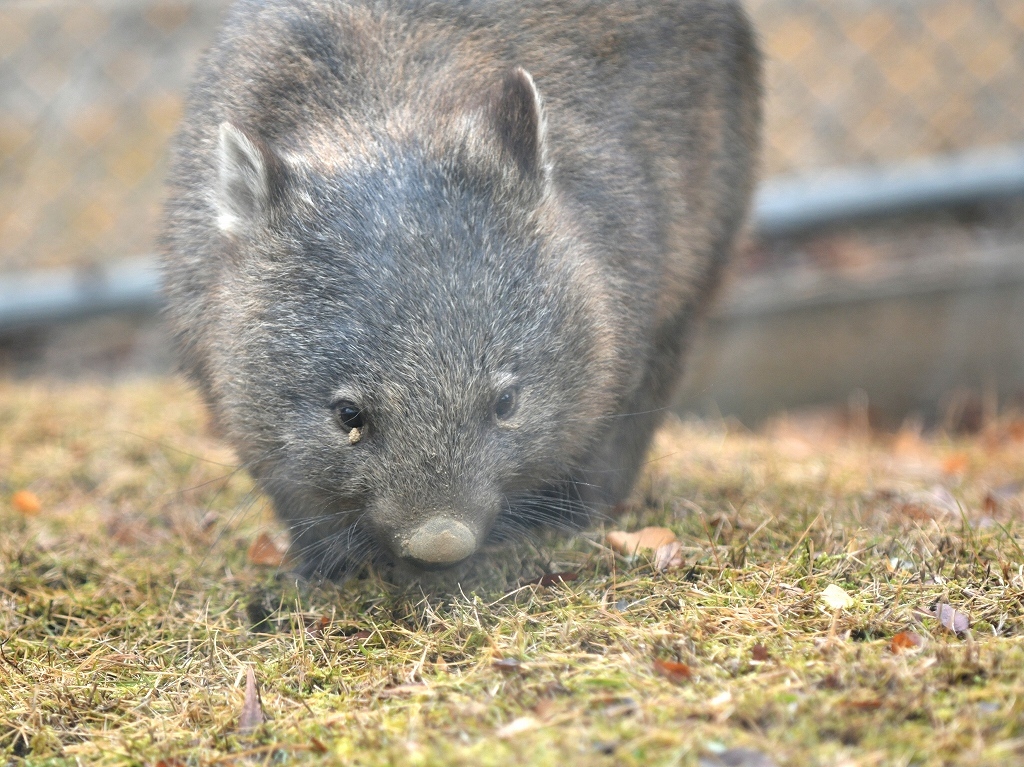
pixel 439 542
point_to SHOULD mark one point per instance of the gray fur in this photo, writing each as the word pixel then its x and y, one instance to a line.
pixel 414 205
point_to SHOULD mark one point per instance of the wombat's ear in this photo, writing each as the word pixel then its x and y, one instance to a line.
pixel 245 180
pixel 519 115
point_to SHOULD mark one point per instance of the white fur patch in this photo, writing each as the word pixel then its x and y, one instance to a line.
pixel 243 189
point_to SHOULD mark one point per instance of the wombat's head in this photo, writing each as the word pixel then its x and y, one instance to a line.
pixel 418 349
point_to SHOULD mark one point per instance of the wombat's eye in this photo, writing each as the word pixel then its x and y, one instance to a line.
pixel 349 415
pixel 505 404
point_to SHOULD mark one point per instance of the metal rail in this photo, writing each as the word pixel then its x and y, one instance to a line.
pixel 782 207
pixel 64 295
pixel 790 206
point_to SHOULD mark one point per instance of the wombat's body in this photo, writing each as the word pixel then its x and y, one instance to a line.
pixel 432 299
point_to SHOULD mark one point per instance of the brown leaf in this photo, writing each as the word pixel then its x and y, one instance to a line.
pixel 677 672
pixel 832 682
pixel 629 544
pixel 264 552
pixel 127 532
pixel 316 627
pixel 1015 430
pixel 317 746
pixel 415 688
pixel 26 502
pixel 916 512
pixel 863 704
pixel 950 618
pixel 955 464
pixel 908 442
pixel 760 653
pixel 171 762
pixel 614 704
pixel 252 707
pixel 545 708
pixel 905 640
pixel 668 557
pixel 552 579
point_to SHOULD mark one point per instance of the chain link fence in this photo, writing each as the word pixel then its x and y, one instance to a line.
pixel 878 81
pixel 90 93
pixel 91 90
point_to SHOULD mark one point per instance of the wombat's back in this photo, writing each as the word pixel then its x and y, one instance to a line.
pixel 652 108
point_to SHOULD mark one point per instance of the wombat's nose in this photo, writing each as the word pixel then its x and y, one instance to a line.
pixel 440 542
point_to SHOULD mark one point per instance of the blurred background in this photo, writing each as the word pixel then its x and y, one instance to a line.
pixel 884 269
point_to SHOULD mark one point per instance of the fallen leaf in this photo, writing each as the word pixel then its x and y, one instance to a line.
pixel 545 708
pixel 722 699
pixel 613 703
pixel 760 653
pixel 737 757
pixel 26 502
pixel 516 726
pixel 172 762
pixel 677 672
pixel 916 512
pixel 908 441
pixel 950 618
pixel 905 640
pixel 508 665
pixel 832 682
pixel 836 597
pixel 628 544
pixel 668 556
pixel 317 746
pixel 264 552
pixel 552 579
pixel 316 626
pixel 955 464
pixel 1015 430
pixel 415 688
pixel 863 704
pixel 127 532
pixel 252 707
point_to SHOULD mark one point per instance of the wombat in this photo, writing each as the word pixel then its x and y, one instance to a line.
pixel 434 265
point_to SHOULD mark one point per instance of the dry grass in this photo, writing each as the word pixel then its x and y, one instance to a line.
pixel 129 610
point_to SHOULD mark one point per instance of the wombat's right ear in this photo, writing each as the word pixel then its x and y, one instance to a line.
pixel 245 179
pixel 519 115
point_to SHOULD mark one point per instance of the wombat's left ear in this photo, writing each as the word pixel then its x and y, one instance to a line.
pixel 519 116
pixel 248 173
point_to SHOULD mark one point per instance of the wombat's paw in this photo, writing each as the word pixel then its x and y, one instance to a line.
pixel 316 572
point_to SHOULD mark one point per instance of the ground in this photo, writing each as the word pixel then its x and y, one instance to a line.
pixel 133 603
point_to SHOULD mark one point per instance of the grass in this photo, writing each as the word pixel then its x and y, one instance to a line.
pixel 130 609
